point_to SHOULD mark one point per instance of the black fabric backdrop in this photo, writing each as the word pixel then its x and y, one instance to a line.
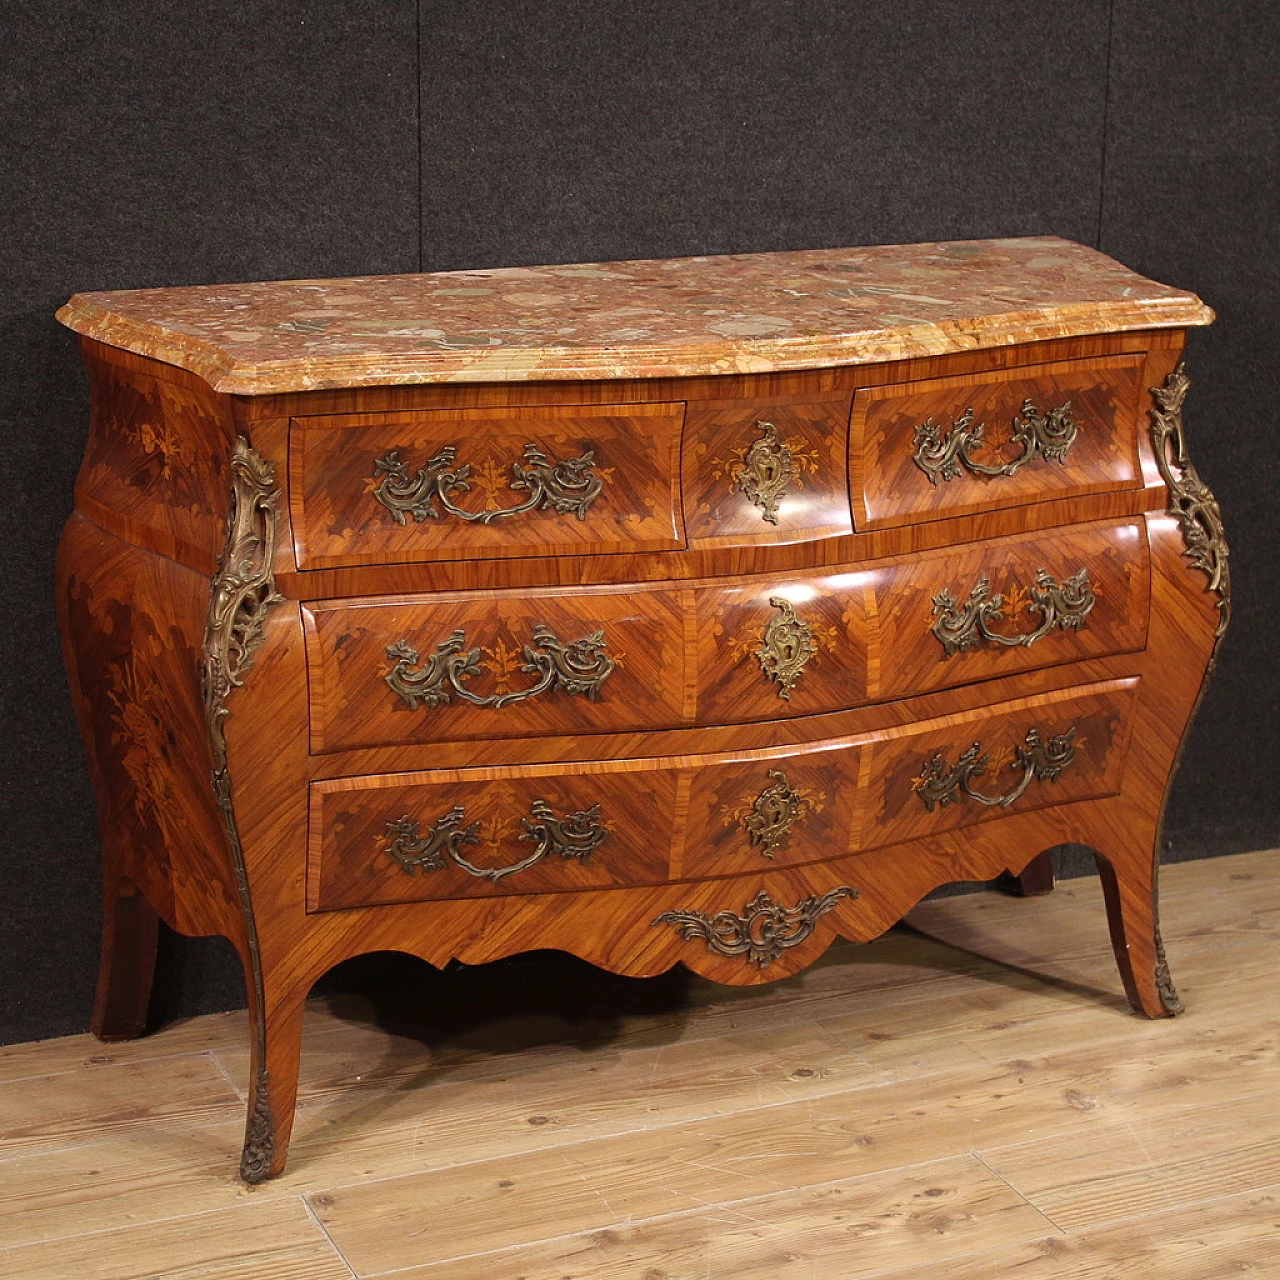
pixel 149 143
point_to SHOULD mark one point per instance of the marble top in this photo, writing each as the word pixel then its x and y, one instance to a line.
pixel 738 313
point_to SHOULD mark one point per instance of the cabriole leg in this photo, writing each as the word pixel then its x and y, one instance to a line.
pixel 1133 918
pixel 276 1029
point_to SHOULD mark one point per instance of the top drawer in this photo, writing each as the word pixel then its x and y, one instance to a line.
pixel 950 446
pixel 472 484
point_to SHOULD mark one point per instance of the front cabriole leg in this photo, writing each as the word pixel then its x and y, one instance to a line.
pixel 275 1020
pixel 1129 890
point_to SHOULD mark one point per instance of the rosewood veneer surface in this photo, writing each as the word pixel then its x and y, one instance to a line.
pixel 674 612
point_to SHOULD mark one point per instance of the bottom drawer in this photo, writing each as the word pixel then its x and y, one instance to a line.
pixel 957 770
pixel 474 832
pixel 527 829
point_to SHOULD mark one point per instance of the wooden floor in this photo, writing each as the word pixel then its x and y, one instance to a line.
pixel 966 1099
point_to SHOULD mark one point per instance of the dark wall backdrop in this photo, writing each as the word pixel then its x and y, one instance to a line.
pixel 148 143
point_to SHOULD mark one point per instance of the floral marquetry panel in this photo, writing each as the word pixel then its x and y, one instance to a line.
pixel 766 470
pixel 157 457
pixel 134 676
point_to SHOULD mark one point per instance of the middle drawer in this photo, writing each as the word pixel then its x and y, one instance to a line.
pixel 588 660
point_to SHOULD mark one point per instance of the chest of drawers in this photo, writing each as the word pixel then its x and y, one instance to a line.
pixel 672 612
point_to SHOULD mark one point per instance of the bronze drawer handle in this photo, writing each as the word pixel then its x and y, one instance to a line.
pixel 568 487
pixel 1059 604
pixel 573 837
pixel 939 784
pixel 1047 435
pixel 764 930
pixel 579 667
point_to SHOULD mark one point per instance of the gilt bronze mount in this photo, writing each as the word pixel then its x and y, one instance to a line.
pixel 775 811
pixel 940 784
pixel 577 667
pixel 573 837
pixel 764 930
pixel 1041 435
pixel 241 594
pixel 767 469
pixel 1191 501
pixel 786 647
pixel 1059 604
pixel 568 487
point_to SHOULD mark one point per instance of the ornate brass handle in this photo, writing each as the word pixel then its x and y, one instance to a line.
pixel 940 784
pixel 574 837
pixel 1059 604
pixel 766 470
pixel 940 457
pixel 579 667
pixel 568 487
pixel 773 813
pixel 786 647
pixel 764 930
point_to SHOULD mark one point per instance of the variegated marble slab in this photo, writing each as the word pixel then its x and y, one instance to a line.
pixel 739 313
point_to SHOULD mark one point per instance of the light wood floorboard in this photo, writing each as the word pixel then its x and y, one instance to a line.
pixel 966 1097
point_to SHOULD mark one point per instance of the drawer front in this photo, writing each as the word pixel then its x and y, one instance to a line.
pixel 479 833
pixel 597 824
pixel 949 446
pixel 959 770
pixel 954 616
pixel 482 484
pixel 601 824
pixel 524 664
pixel 516 664
pixel 766 470
pixel 749 815
pixel 772 648
pixel 497 665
